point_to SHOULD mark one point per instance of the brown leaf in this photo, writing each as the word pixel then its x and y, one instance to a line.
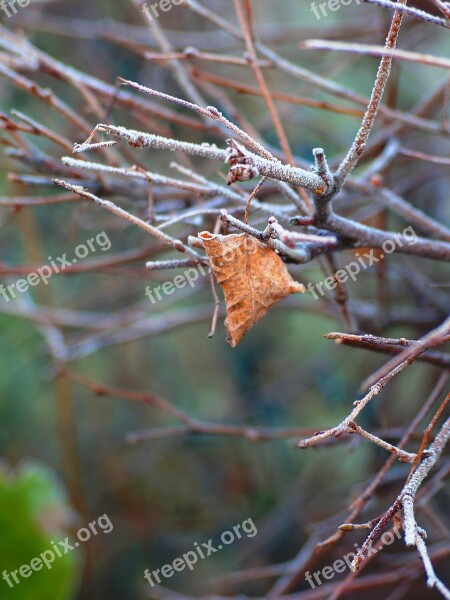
pixel 253 278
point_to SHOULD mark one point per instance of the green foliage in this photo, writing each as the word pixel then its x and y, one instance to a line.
pixel 32 504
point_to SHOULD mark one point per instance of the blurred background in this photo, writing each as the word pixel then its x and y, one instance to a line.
pixel 66 452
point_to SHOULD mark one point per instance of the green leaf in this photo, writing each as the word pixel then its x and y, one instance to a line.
pixel 33 513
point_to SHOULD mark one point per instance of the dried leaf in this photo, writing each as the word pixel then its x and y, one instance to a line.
pixel 253 278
